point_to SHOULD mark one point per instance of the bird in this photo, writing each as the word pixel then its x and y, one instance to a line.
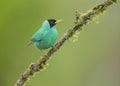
pixel 46 36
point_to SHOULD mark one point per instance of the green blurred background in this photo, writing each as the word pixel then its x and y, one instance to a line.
pixel 92 61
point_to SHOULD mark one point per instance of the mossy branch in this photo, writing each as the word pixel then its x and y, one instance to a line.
pixel 80 21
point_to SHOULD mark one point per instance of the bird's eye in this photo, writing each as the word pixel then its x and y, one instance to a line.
pixel 51 22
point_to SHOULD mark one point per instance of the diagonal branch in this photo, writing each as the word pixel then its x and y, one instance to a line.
pixel 80 21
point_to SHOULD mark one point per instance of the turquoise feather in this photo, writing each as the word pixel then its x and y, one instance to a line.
pixel 46 36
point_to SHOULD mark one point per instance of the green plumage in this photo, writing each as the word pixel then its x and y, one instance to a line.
pixel 46 36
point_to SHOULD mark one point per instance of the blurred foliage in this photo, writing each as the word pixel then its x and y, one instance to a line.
pixel 92 61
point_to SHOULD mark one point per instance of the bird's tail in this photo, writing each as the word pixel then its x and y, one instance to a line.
pixel 29 43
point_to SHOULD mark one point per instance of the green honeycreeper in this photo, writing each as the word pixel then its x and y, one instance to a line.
pixel 46 36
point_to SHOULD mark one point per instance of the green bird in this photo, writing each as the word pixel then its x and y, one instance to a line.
pixel 46 36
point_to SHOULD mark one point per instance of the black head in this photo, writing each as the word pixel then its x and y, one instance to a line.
pixel 52 22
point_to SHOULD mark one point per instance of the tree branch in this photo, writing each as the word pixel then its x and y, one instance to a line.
pixel 80 21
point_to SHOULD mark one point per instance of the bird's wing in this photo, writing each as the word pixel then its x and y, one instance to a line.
pixel 38 36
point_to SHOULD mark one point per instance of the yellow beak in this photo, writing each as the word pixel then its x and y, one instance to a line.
pixel 58 21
